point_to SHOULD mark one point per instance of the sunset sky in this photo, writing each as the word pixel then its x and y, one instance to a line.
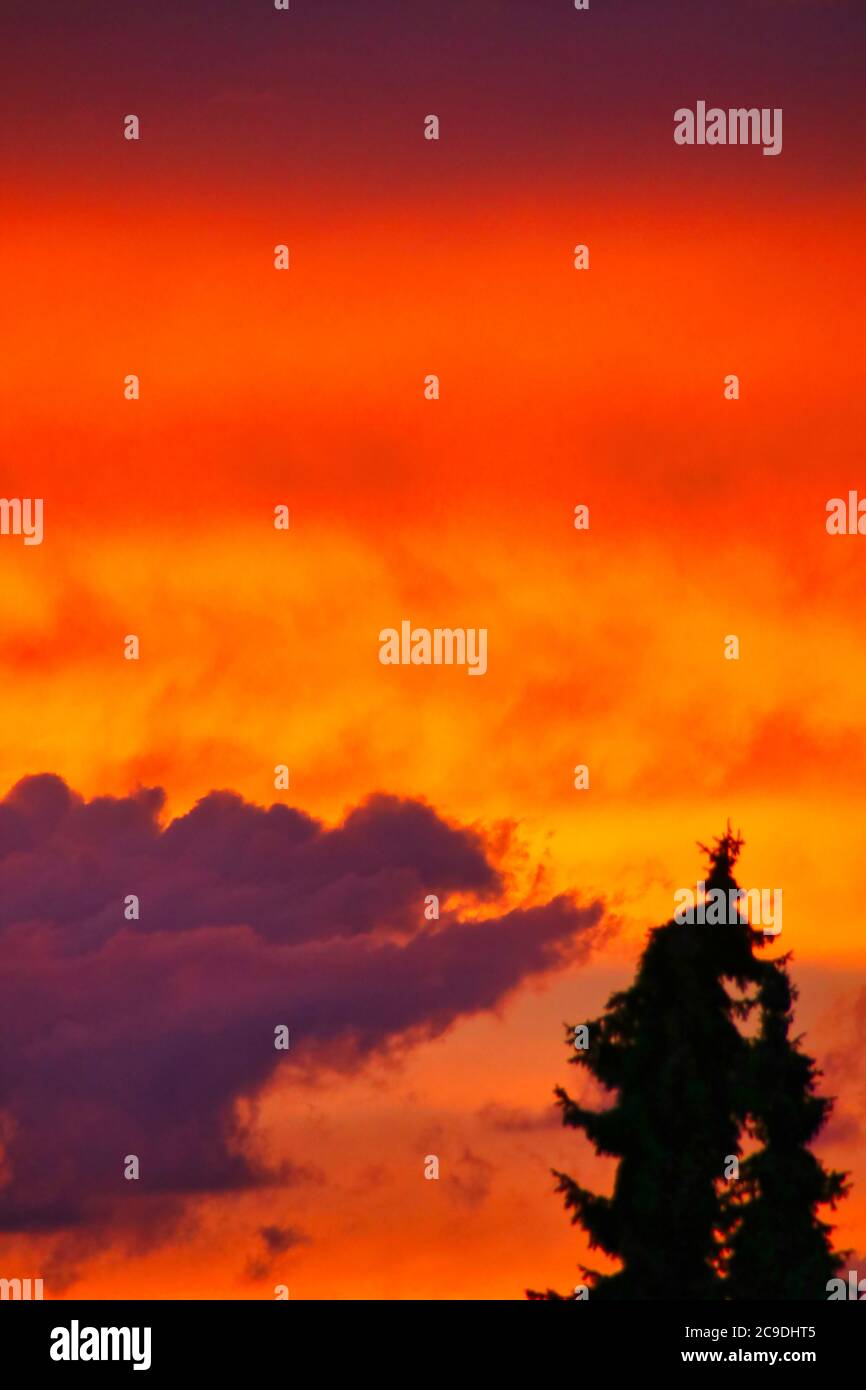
pixel 260 647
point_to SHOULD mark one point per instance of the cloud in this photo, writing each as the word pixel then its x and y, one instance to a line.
pixel 471 1179
pixel 141 1037
pixel 841 1058
pixel 276 1241
pixel 513 1120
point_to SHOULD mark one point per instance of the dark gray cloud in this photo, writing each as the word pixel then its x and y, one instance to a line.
pixel 138 1037
pixel 511 1120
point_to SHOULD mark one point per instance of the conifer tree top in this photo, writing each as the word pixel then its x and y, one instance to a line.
pixel 723 855
pixel 693 1212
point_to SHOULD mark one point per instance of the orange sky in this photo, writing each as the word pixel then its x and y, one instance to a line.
pixel 605 647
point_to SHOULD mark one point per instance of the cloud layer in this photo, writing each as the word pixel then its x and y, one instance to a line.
pixel 139 1037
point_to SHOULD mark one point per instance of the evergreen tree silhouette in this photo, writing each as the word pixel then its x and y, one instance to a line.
pixel 686 1078
pixel 780 1249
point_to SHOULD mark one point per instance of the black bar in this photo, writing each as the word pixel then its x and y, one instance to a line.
pixel 223 1339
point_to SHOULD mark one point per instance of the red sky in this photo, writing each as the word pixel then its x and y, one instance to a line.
pixel 558 387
